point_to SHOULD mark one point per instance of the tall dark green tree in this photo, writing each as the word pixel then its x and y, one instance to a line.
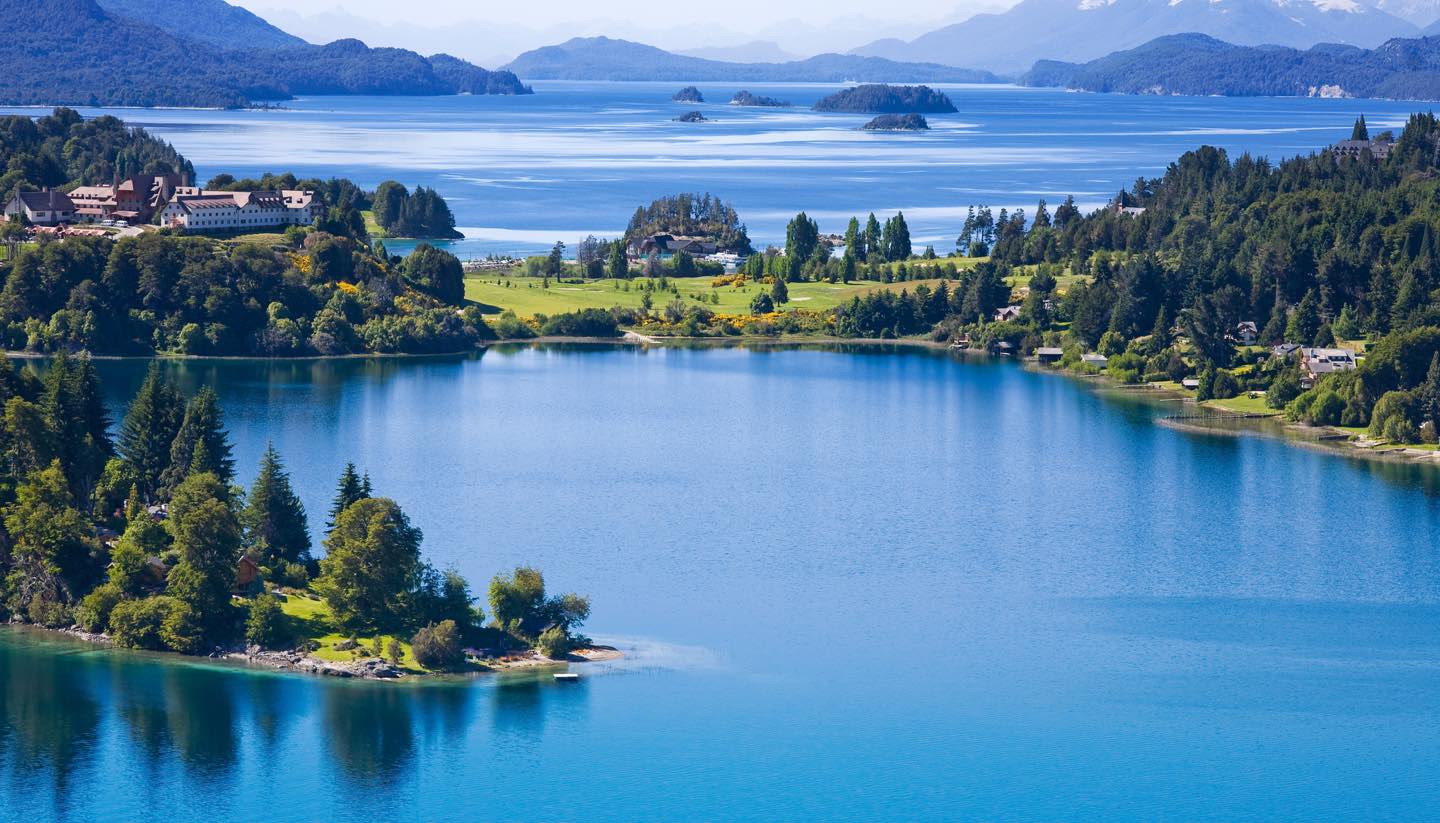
pixel 1430 395
pixel 619 263
pixel 202 444
pixel 273 517
pixel 371 566
pixel 208 538
pixel 350 488
pixel 149 429
pixel 854 239
pixel 802 235
pixel 873 236
pixel 1360 131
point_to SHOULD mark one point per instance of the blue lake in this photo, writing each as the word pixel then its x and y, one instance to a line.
pixel 575 158
pixel 851 584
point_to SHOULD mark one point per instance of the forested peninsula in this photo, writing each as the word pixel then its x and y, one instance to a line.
pixel 329 288
pixel 1195 64
pixel 146 541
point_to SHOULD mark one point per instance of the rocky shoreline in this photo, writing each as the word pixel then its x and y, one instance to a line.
pixel 366 668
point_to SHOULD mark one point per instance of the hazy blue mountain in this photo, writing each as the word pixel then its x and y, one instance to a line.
pixel 209 21
pixel 603 58
pixel 67 56
pixel 756 51
pixel 1195 64
pixel 1079 30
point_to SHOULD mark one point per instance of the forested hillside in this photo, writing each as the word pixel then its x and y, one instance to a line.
pixel 1314 250
pixel 72 52
pixel 62 150
pixel 1193 64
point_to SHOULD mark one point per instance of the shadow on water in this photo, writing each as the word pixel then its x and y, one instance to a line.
pixel 371 731
pixel 51 723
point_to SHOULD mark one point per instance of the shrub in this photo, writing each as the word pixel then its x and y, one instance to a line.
pixel 437 646
pixel 583 323
pixel 1225 385
pixel 554 643
pixel 266 626
pixel 180 630
pixel 136 623
pixel 93 614
pixel 510 327
pixel 1394 416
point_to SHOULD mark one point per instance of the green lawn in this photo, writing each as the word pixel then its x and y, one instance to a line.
pixel 1243 404
pixel 526 296
pixel 310 619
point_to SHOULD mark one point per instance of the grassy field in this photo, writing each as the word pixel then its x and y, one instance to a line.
pixel 526 296
pixel 310 618
pixel 1243 404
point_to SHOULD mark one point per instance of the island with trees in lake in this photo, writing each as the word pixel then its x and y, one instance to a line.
pixel 897 122
pixel 745 98
pixel 146 541
pixel 882 98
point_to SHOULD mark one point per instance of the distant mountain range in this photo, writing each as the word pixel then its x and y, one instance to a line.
pixel 208 21
pixel 603 58
pixel 1194 64
pixel 1080 30
pixel 75 52
pixel 756 51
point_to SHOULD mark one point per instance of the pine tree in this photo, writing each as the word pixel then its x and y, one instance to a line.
pixel 1160 334
pixel 1430 394
pixel 274 517
pixel 207 536
pixel 873 236
pixel 202 444
pixel 149 430
pixel 619 264
pixel 854 241
pixel 1361 131
pixel 350 489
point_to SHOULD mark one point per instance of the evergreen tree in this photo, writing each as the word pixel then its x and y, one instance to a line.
pixel 53 556
pixel 202 444
pixel 274 517
pixel 779 292
pixel 1360 131
pixel 207 536
pixel 1160 332
pixel 802 235
pixel 371 565
pixel 149 430
pixel 1305 321
pixel 854 240
pixel 619 263
pixel 350 489
pixel 1430 395
pixel 872 236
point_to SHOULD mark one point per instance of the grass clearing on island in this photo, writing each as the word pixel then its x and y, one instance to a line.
pixel 527 296
pixel 1243 404
pixel 310 619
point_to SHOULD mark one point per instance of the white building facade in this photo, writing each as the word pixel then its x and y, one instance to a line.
pixel 224 211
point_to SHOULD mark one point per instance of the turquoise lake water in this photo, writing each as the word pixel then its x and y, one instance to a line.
pixel 575 158
pixel 851 584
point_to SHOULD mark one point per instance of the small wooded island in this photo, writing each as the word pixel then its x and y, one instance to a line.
pixel 745 98
pixel 880 98
pixel 692 117
pixel 146 541
pixel 897 122
pixel 689 94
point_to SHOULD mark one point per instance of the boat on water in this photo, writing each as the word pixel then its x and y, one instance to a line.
pixel 567 677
